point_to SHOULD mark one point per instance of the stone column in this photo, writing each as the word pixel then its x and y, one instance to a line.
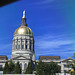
pixel 62 67
pixel 21 44
pixel 28 44
pixel 32 45
pixel 22 65
pixel 17 43
pixel 24 44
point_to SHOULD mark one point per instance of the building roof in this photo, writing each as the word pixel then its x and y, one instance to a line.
pixel 3 57
pixel 49 57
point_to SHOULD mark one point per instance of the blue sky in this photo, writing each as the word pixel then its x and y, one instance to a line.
pixel 52 23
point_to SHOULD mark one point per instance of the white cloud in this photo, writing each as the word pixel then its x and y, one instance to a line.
pixel 54 45
pixel 49 42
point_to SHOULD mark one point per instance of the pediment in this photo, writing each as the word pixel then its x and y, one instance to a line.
pixel 67 60
pixel 20 58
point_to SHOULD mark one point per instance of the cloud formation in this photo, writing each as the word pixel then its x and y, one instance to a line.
pixel 54 45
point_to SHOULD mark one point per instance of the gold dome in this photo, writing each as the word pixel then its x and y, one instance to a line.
pixel 23 30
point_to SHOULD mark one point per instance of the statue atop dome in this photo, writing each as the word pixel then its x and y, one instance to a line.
pixel 23 14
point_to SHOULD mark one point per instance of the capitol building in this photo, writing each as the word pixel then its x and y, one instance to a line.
pixel 23 49
pixel 23 44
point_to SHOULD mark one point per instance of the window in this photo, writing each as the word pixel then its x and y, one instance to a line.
pixel 30 46
pixel 0 66
pixel 18 46
pixel 26 41
pixel 18 41
pixel 26 46
pixel 64 70
pixel 64 65
pixel 22 46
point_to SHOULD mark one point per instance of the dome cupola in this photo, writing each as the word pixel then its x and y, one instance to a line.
pixel 23 29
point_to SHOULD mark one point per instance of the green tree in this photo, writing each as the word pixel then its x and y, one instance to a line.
pixel 29 69
pixel 54 68
pixel 6 68
pixel 11 67
pixel 47 68
pixel 40 68
pixel 73 56
pixel 17 69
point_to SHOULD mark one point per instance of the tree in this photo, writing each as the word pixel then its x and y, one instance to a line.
pixel 11 67
pixel 17 69
pixel 47 68
pixel 29 69
pixel 40 68
pixel 73 56
pixel 6 68
pixel 54 68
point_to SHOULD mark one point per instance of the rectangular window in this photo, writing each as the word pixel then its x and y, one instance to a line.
pixel 30 46
pixel 22 46
pixel 64 65
pixel 0 66
pixel 26 41
pixel 16 46
pixel 26 46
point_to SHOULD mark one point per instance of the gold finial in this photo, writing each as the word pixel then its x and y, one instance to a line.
pixel 23 14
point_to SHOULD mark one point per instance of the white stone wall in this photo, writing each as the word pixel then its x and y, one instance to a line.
pixel 23 40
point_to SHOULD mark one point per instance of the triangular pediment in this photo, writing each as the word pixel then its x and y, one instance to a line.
pixel 20 58
pixel 67 60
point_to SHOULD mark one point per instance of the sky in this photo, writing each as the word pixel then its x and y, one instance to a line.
pixel 52 23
